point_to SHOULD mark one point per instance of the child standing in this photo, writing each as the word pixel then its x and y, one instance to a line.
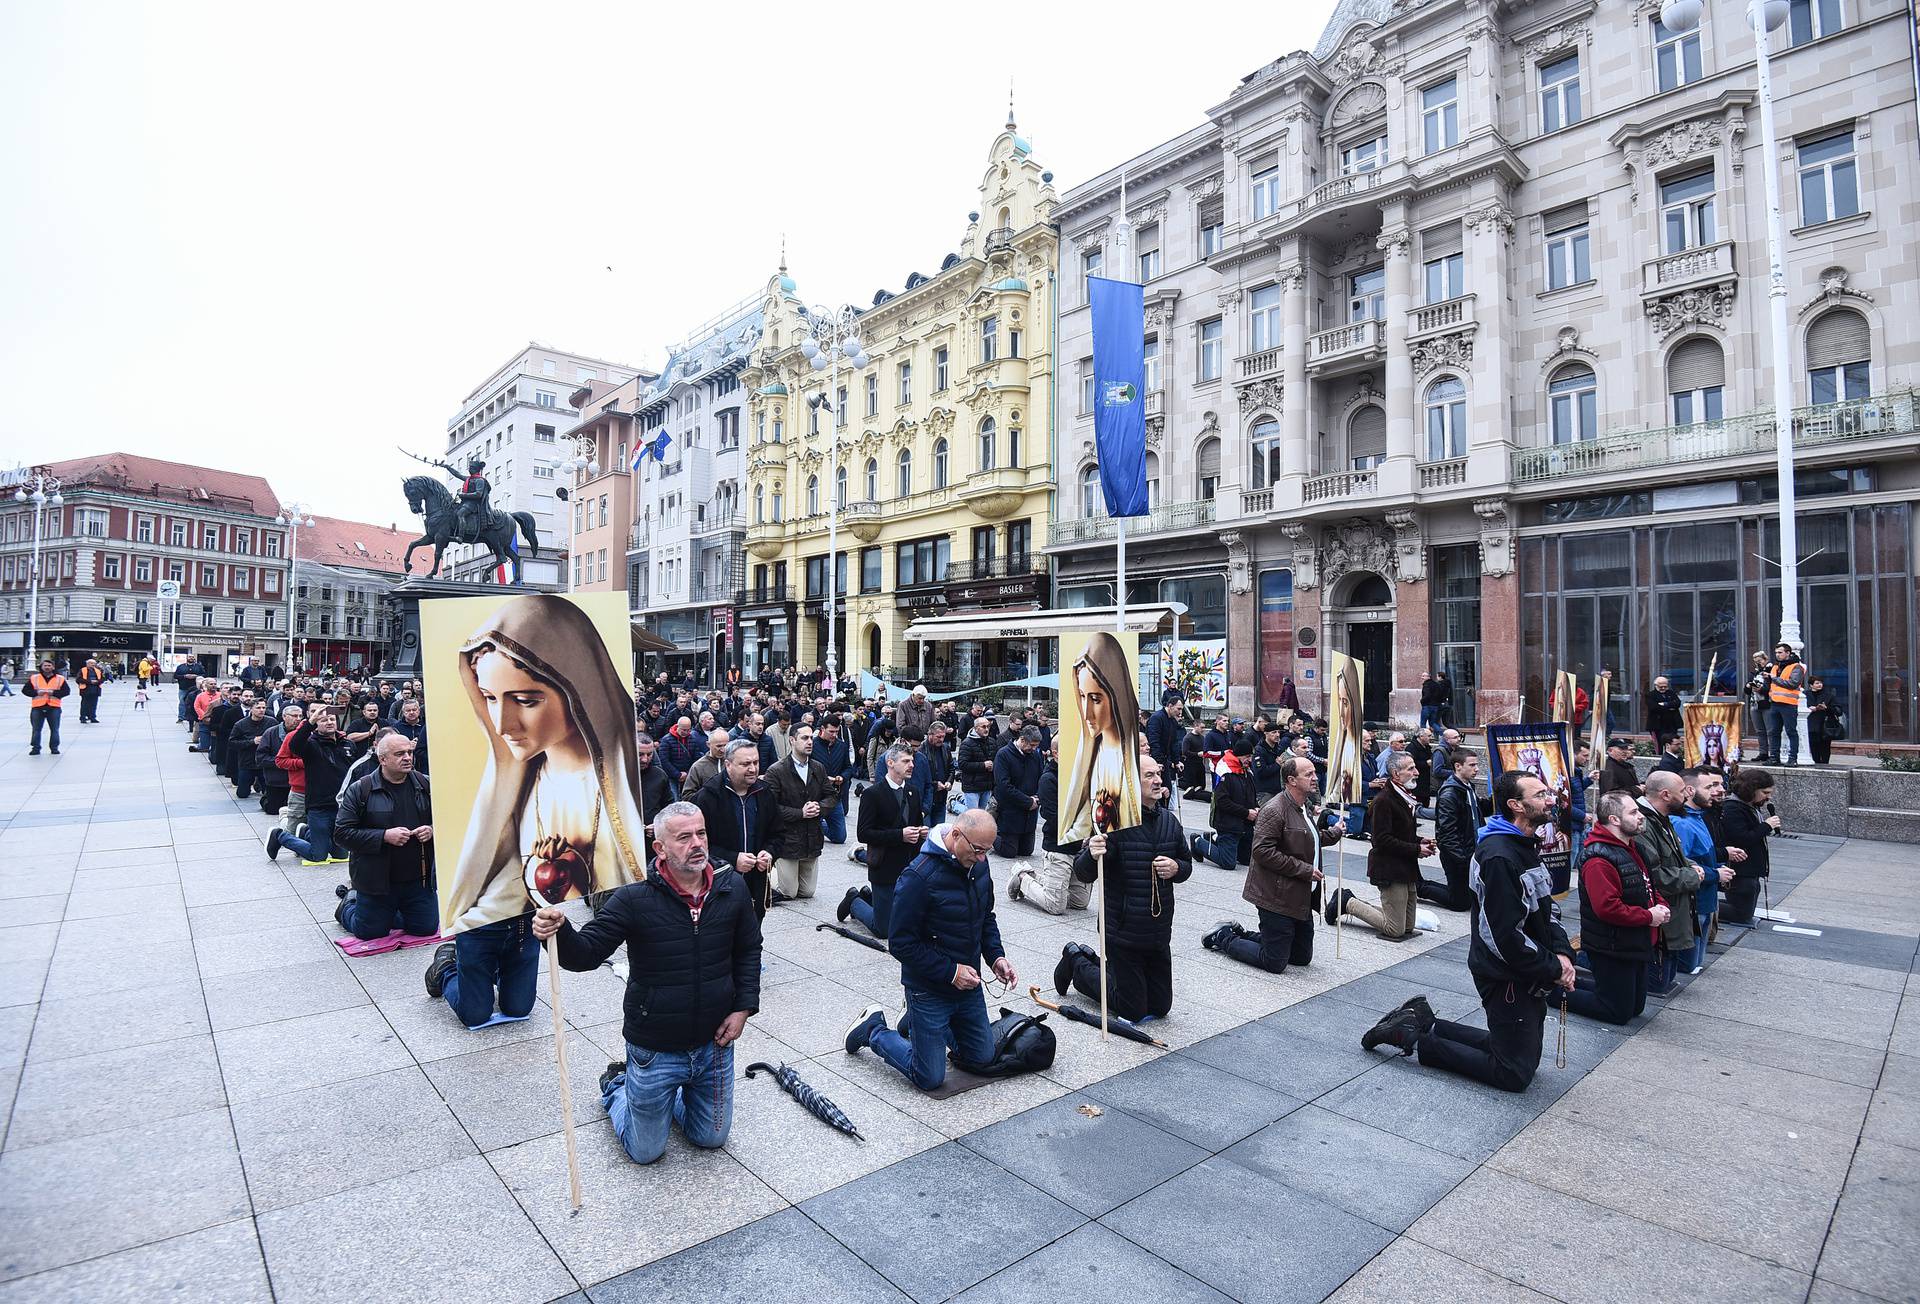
pixel 140 696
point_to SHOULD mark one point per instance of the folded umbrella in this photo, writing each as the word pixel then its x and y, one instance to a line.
pixel 817 1105
pixel 848 933
pixel 1073 1013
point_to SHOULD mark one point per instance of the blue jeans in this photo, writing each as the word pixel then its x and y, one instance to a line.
pixel 203 739
pixel 975 800
pixel 1705 902
pixel 691 1090
pixel 835 824
pixel 1430 719
pixel 937 1024
pixel 1783 729
pixel 1227 853
pixel 49 716
pixel 878 917
pixel 186 700
pixel 414 910
pixel 318 844
pixel 506 953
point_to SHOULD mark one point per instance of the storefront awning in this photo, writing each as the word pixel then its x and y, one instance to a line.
pixel 1141 619
pixel 647 642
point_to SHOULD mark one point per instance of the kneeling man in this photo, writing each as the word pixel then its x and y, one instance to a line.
pixel 693 956
pixel 1283 878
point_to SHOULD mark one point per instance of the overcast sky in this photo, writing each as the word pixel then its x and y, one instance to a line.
pixel 286 238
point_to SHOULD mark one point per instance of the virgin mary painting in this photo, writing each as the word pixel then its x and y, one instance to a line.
pixel 1103 786
pixel 555 817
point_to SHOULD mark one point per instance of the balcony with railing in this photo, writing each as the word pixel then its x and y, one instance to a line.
pixel 637 538
pixel 1172 518
pixel 1256 502
pixel 1703 266
pixel 1257 365
pixel 1340 485
pixel 763 595
pixel 720 522
pixel 1156 401
pixel 1345 348
pixel 1001 237
pixel 1443 475
pixel 1885 416
pixel 997 568
pixel 1434 318
pixel 707 588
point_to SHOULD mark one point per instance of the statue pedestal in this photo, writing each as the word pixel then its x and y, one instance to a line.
pixel 403 648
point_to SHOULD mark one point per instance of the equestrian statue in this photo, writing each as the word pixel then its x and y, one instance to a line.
pixel 465 517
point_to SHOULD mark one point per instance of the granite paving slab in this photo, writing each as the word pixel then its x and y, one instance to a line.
pixel 779 1142
pixel 736 1267
pixel 1871 1245
pixel 61 1098
pixel 505 1094
pixel 1386 1179
pixel 271 1059
pixel 241 1000
pixel 1084 1154
pixel 219 1265
pixel 1091 1265
pixel 1443 1110
pixel 1193 1100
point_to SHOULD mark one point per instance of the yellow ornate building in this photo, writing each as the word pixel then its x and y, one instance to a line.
pixel 944 480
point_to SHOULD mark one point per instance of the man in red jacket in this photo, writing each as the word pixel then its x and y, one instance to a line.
pixel 1620 914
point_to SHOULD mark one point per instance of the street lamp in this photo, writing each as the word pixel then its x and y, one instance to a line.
pixel 1765 16
pixel 835 336
pixel 45 494
pixel 293 516
pixel 581 463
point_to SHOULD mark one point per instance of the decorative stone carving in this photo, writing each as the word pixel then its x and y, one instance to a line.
pixel 1239 564
pixel 1156 426
pixel 1708 306
pixel 1396 243
pixel 1567 341
pixel 1496 536
pixel 1230 298
pixel 1834 289
pixel 1262 393
pixel 991 507
pixel 1150 215
pixel 1355 546
pixel 864 528
pixel 1494 217
pixel 1206 187
pixel 1363 101
pixel 1159 314
pixel 1209 423
pixel 1451 350
pixel 1409 546
pixel 1292 277
pixel 1306 570
pixel 1555 38
pixel 1355 59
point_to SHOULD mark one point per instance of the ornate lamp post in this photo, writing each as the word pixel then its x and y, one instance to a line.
pixel 45 493
pixel 293 517
pixel 835 337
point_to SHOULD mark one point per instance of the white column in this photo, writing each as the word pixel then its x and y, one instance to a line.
pixel 1401 446
pixel 1296 404
pixel 1489 407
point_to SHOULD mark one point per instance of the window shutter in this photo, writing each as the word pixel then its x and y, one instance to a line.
pixel 1367 433
pixel 1562 218
pixel 1697 364
pixel 1837 338
pixel 1209 460
pixel 1440 242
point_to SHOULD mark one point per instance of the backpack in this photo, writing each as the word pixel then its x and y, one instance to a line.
pixel 1022 1043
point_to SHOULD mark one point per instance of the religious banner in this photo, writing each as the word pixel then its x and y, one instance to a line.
pixel 1346 757
pixel 1099 734
pixel 1541 750
pixel 1198 670
pixel 1566 689
pixel 1711 731
pixel 535 776
pixel 1602 688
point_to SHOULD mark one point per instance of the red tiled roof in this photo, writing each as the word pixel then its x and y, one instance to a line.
pixel 356 544
pixel 177 481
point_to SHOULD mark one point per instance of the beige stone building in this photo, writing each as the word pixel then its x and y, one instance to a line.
pixel 1461 335
pixel 944 481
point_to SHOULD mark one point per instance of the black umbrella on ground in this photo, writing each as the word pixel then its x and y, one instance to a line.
pixel 817 1105
pixel 1073 1013
pixel 850 935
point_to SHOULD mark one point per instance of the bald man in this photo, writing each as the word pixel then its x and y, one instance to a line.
pixel 385 824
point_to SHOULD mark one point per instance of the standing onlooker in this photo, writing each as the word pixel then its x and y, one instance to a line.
pixel 1663 711
pixel 386 826
pixel 1165 730
pixel 1436 694
pixel 1786 679
pixel 91 677
pixel 976 765
pixel 1826 720
pixel 802 792
pixel 1456 830
pixel 48 686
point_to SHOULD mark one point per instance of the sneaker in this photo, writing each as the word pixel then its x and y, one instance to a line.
pixel 340 890
pixel 1013 885
pixel 613 1070
pixel 33 751
pixel 1399 1029
pixel 338 860
pixel 860 1035
pixel 273 843
pixel 845 907
pixel 316 864
pixel 300 831
pixel 1225 931
pixel 1423 1017
pixel 438 970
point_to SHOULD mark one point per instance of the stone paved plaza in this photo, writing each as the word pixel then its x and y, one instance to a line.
pixel 207 1101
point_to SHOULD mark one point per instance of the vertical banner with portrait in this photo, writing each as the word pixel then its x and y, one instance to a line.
pixel 1541 750
pixel 1099 734
pixel 1346 757
pixel 1712 733
pixel 1566 689
pixel 1602 694
pixel 532 729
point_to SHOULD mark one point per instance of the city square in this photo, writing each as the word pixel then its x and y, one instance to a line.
pixel 1312 700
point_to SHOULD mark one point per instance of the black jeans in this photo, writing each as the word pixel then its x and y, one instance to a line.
pixel 1282 941
pixel 1139 980
pixel 1454 894
pixel 1015 841
pixel 1822 748
pixel 1619 991
pixel 1738 901
pixel 90 705
pixel 1507 1054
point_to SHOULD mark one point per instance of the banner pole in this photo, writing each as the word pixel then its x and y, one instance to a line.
pixel 1339 900
pixel 1120 574
pixel 1100 885
pixel 560 1054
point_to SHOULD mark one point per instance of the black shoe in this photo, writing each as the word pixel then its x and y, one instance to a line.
pixel 1337 904
pixel 1400 1030
pixel 273 843
pixel 613 1069
pixel 845 907
pixel 775 898
pixel 340 890
pixel 33 751
pixel 1063 972
pixel 340 913
pixel 1225 931
pixel 1423 1017
pixel 54 750
pixel 438 970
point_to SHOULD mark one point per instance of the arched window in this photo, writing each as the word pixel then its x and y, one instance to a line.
pixel 759 504
pixel 1265 441
pixel 940 463
pixel 987 433
pixel 1206 469
pixel 1696 382
pixel 1839 357
pixel 813 495
pixel 1153 479
pixel 840 489
pixel 1366 438
pixel 1446 419
pixel 779 429
pixel 873 479
pixel 904 479
pixel 778 498
pixel 1572 404
pixel 1090 502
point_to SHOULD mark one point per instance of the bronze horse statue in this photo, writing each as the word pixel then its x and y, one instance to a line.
pixel 430 499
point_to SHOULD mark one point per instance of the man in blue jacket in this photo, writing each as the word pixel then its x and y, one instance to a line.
pixel 1017 768
pixel 943 928
pixel 1706 789
pixel 832 754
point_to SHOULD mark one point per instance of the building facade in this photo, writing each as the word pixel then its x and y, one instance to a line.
pixel 936 458
pixel 513 421
pixel 127 524
pixel 1463 356
pixel 342 572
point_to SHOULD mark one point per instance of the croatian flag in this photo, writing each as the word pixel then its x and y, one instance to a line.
pixel 501 570
pixel 639 455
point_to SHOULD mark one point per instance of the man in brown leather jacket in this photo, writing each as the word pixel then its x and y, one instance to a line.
pixel 1283 879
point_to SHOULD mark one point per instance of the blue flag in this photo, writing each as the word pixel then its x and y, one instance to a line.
pixel 659 446
pixel 1119 393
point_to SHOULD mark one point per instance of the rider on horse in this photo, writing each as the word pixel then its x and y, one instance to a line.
pixel 476 499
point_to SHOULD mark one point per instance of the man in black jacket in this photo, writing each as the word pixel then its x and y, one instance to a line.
pixel 1050 884
pixel 1141 865
pixel 1519 956
pixel 739 813
pixel 1618 774
pixel 976 764
pixel 657 783
pixel 386 825
pixel 1456 827
pixel 803 791
pixel 320 746
pixel 1017 768
pixel 1166 729
pixel 1236 804
pixel 892 827
pixel 241 740
pixel 693 947
pixel 1663 711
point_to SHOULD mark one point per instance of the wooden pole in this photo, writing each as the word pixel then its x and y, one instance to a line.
pixel 560 1053
pixel 1339 900
pixel 1100 888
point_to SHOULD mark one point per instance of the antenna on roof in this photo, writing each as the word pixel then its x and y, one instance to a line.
pixel 783 253
pixel 1009 102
